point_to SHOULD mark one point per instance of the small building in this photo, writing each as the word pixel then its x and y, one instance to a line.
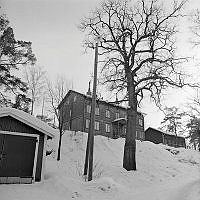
pixel 22 146
pixel 158 136
pixel 110 118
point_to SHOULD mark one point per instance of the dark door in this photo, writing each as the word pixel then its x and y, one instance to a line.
pixel 17 155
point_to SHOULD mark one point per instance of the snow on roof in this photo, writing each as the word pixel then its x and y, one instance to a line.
pixel 167 133
pixel 29 120
pixel 119 119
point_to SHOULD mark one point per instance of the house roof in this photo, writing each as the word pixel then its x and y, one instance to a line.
pixel 162 132
pixel 29 120
pixel 89 97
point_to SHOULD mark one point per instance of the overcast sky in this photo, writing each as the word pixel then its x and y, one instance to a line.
pixel 51 26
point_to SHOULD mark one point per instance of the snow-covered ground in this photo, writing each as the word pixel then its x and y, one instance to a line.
pixel 163 173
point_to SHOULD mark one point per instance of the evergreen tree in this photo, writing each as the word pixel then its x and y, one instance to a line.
pixel 22 103
pixel 194 132
pixel 13 54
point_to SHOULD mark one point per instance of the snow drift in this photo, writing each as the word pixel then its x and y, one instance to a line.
pixel 161 172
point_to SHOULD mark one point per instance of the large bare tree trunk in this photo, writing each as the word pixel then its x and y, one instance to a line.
pixel 129 160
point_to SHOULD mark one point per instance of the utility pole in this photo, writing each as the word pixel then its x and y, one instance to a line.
pixel 88 168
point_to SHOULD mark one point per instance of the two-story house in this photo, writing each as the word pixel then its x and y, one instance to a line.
pixel 110 119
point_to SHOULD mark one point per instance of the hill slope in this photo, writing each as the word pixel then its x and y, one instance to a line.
pixel 162 173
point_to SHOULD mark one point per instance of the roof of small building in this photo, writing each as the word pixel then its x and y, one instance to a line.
pixel 29 120
pixel 165 133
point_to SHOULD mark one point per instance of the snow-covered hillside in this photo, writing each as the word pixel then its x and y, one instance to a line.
pixel 163 173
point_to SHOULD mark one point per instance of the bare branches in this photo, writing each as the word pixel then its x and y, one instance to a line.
pixel 195 28
pixel 34 76
pixel 140 40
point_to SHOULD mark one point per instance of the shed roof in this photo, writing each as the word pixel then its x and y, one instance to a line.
pixel 29 120
pixel 162 132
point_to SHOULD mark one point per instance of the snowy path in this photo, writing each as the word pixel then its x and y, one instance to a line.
pixel 190 191
pixel 174 190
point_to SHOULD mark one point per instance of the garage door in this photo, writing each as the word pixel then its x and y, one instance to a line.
pixel 16 158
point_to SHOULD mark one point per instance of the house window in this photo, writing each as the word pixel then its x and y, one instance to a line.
pixel 140 121
pixel 117 115
pixel 141 135
pixel 108 113
pixel 137 135
pixel 75 97
pixel 107 128
pixel 88 108
pixel 96 126
pixel 125 115
pixel 87 123
pixel 97 111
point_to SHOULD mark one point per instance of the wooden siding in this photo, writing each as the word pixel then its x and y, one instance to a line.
pixel 157 137
pixel 11 124
pixel 77 103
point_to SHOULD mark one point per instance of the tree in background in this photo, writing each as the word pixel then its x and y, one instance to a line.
pixel 194 131
pixel 13 54
pixel 56 93
pixel 172 122
pixel 35 78
pixel 195 28
pixel 138 54
pixel 193 125
pixel 22 103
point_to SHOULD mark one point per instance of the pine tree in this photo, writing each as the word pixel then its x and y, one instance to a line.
pixel 13 54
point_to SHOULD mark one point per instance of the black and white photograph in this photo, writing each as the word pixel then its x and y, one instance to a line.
pixel 99 99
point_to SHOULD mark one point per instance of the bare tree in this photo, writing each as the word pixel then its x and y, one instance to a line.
pixel 34 76
pixel 56 93
pixel 195 27
pixel 138 54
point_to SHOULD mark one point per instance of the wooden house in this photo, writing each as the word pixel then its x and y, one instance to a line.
pixel 158 136
pixel 110 119
pixel 22 146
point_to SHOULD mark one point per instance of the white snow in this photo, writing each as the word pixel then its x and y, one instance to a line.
pixel 163 173
pixel 28 119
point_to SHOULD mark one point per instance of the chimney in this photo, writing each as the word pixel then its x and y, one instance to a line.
pixel 116 101
pixel 89 91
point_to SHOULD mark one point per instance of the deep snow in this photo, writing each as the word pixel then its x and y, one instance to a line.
pixel 163 173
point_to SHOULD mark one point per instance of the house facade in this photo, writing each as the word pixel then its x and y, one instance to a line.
pixel 157 136
pixel 110 119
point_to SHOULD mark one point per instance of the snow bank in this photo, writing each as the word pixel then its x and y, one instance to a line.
pixel 159 172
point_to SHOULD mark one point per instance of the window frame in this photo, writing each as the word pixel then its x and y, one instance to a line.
pixel 88 108
pixel 107 113
pixel 108 128
pixel 97 111
pixel 140 122
pixel 117 116
pixel 96 126
pixel 87 123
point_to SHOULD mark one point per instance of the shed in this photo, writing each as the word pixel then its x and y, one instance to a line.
pixel 158 136
pixel 22 146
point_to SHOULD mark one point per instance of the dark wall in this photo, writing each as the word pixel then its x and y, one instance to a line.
pixel 11 124
pixel 157 137
pixel 154 136
pixel 174 141
pixel 74 111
